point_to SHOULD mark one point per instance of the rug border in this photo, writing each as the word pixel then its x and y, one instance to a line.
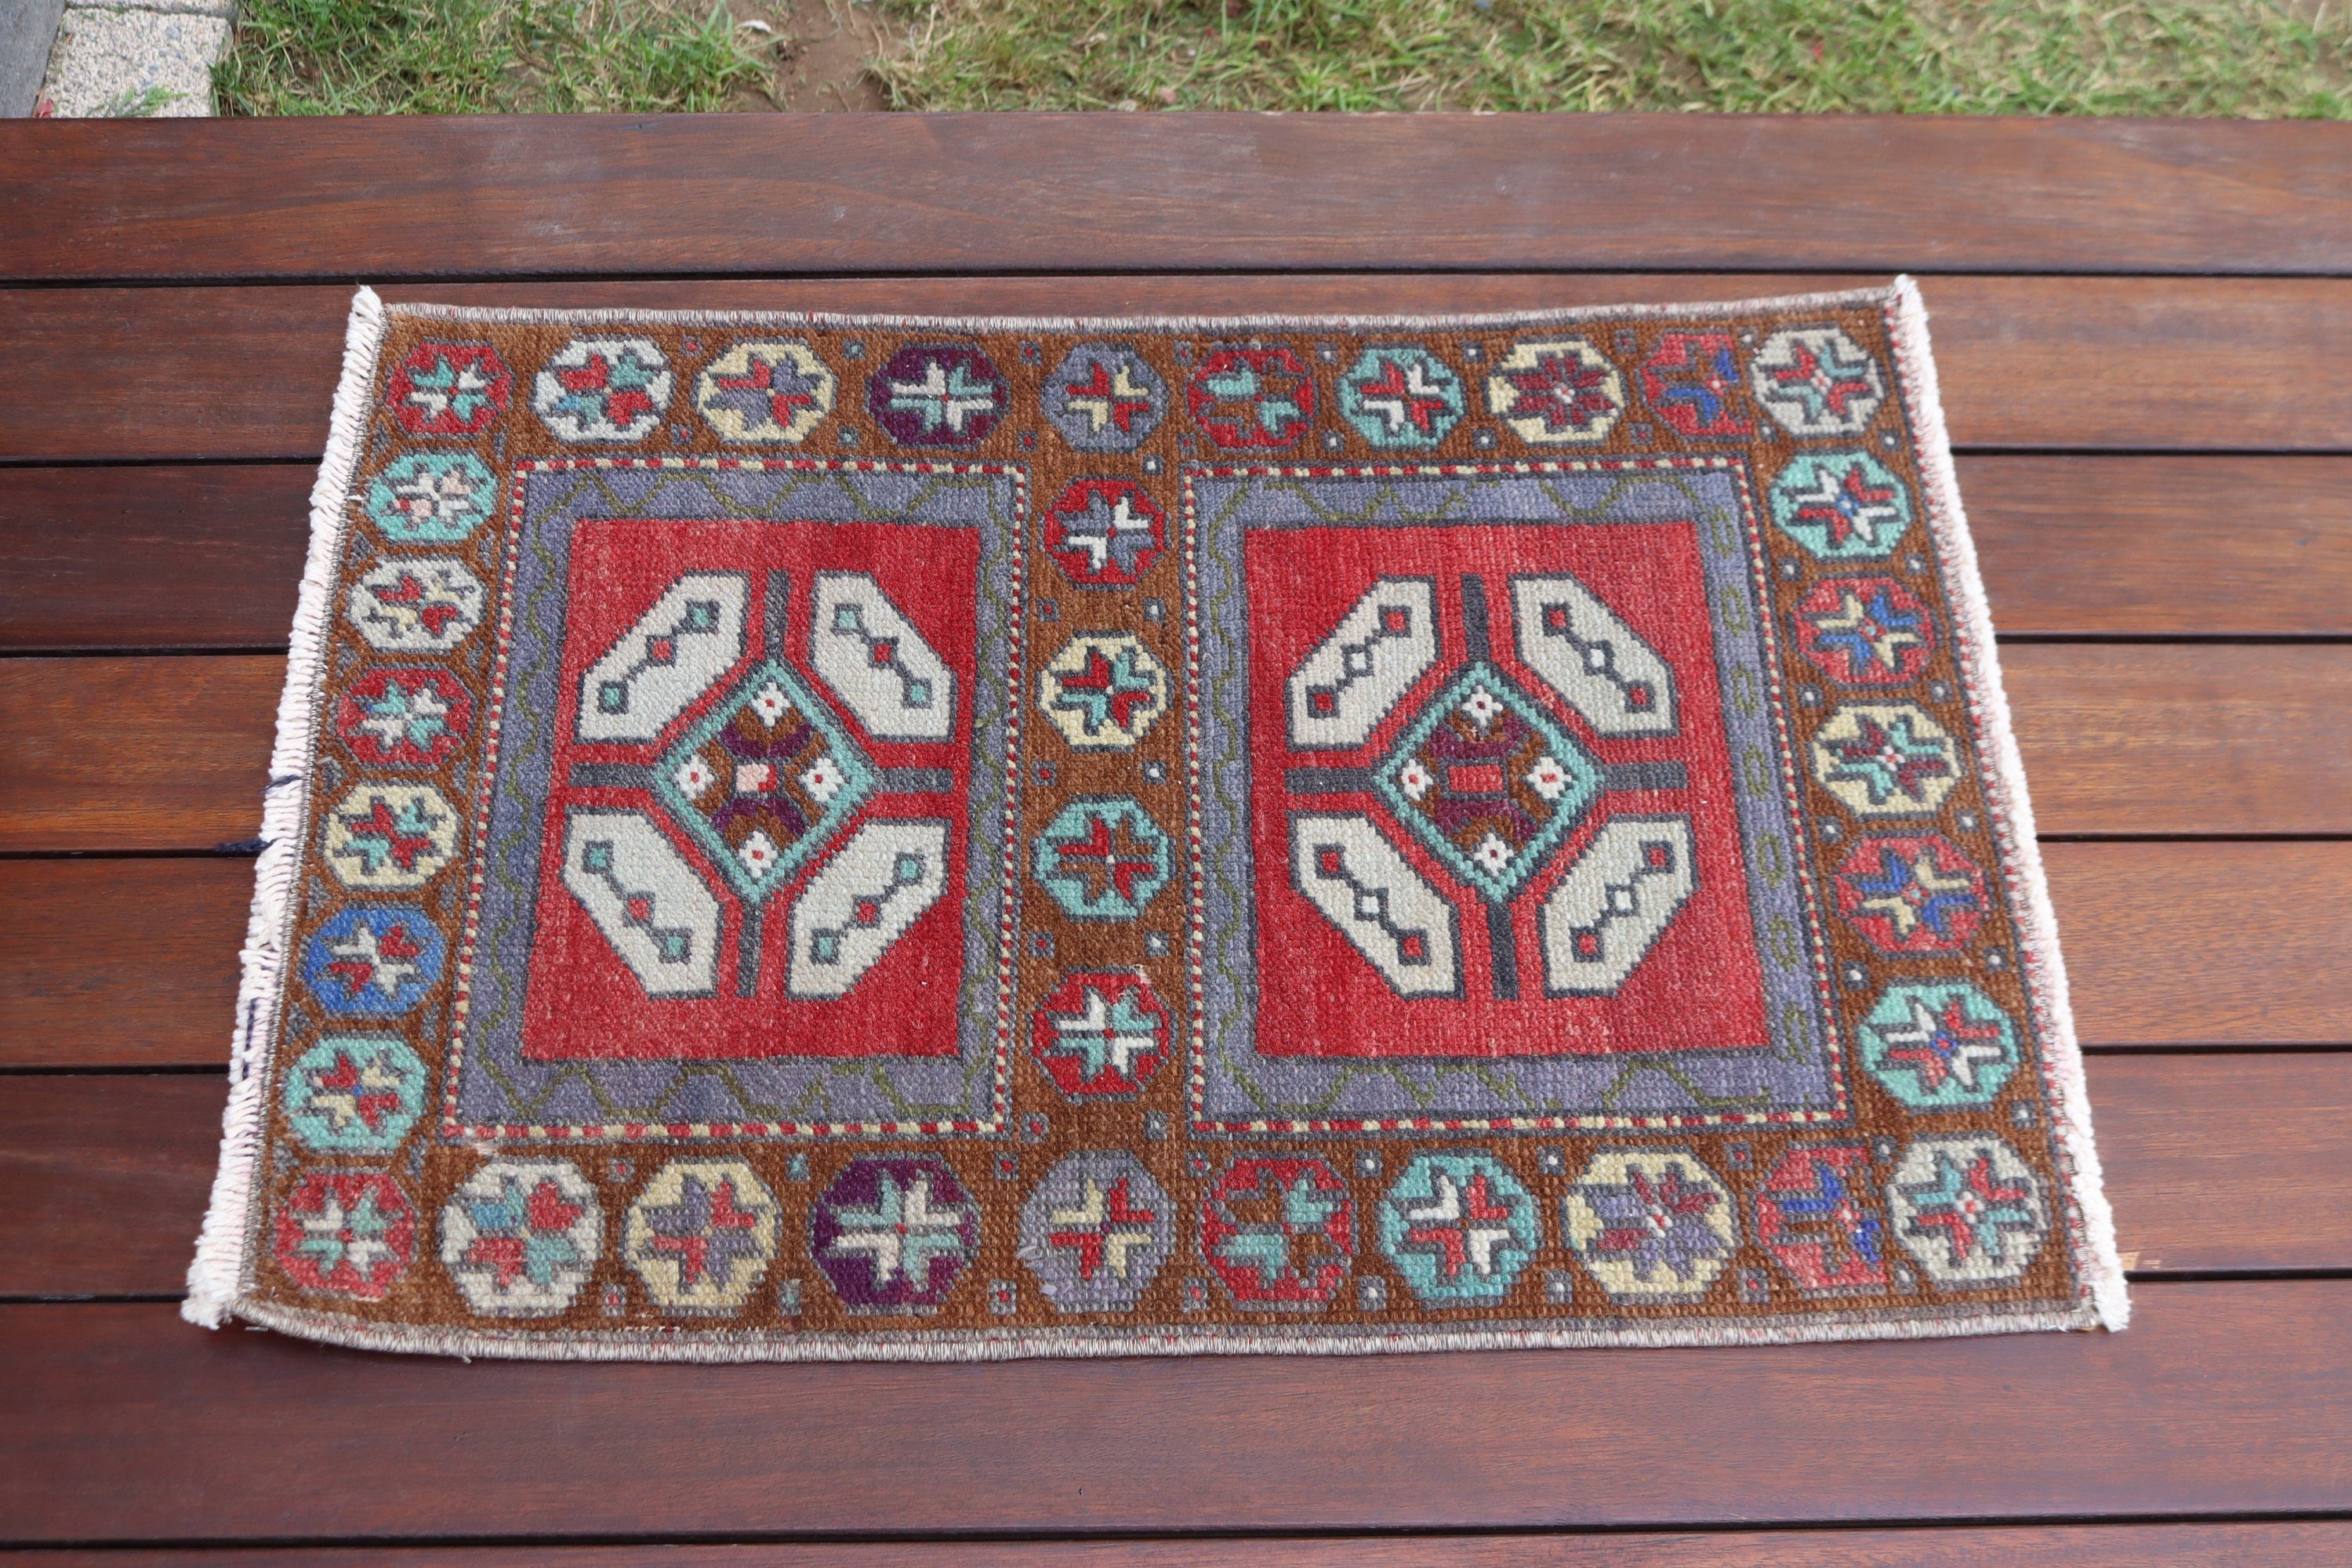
pixel 2099 1266
pixel 219 1277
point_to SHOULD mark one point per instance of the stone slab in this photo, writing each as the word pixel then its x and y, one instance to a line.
pixel 27 28
pixel 107 59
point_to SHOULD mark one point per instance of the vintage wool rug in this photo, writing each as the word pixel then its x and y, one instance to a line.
pixel 802 836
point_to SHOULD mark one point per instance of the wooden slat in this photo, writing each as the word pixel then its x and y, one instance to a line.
pixel 119 964
pixel 2277 1544
pixel 2211 1162
pixel 2074 362
pixel 119 1423
pixel 973 192
pixel 2171 944
pixel 2134 545
pixel 156 557
pixel 103 1181
pixel 2185 739
pixel 143 753
pixel 176 556
pixel 133 963
pixel 136 753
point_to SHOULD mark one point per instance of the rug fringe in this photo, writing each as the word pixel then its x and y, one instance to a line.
pixel 216 1277
pixel 2097 1264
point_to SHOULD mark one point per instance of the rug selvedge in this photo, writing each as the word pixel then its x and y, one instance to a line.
pixel 824 837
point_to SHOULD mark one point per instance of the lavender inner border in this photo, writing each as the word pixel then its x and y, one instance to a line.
pixel 1235 1088
pixel 497 1085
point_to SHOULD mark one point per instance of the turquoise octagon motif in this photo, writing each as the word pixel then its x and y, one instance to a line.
pixel 1103 859
pixel 1400 399
pixel 765 780
pixel 354 1094
pixel 1840 506
pixel 1460 1228
pixel 1489 781
pixel 1945 1046
pixel 432 498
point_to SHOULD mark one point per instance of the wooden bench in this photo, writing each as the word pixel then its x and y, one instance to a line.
pixel 2146 338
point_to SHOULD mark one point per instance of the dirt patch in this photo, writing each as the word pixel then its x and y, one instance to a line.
pixel 821 51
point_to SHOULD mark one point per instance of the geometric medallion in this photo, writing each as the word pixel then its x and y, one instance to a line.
pixel 1940 1047
pixel 1967 1210
pixel 1096 1231
pixel 701 1235
pixel 894 1234
pixel 1652 1224
pixel 520 1237
pixel 1459 1227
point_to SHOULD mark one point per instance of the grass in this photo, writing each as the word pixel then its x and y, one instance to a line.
pixel 477 56
pixel 2250 58
pixel 2253 58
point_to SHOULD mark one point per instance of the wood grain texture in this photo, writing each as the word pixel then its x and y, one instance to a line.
pixel 2074 363
pixel 2138 924
pixel 103 1181
pixel 2173 739
pixel 2129 545
pixel 2324 1543
pixel 207 555
pixel 119 964
pixel 2225 739
pixel 132 962
pixel 151 556
pixel 119 1423
pixel 1153 192
pixel 136 753
pixel 2211 1162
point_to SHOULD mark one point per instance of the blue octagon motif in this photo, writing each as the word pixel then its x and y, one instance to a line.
pixel 374 962
pixel 1103 859
pixel 1463 779
pixel 1460 1228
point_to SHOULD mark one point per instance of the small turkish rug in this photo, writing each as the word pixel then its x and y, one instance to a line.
pixel 817 838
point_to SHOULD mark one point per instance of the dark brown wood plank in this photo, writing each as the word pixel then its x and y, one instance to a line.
pixel 136 753
pixel 2136 545
pixel 2074 363
pixel 132 962
pixel 2278 1543
pixel 2211 1162
pixel 178 556
pixel 103 1181
pixel 1147 193
pixel 153 557
pixel 119 1423
pixel 2137 925
pixel 2220 739
pixel 2185 739
pixel 119 964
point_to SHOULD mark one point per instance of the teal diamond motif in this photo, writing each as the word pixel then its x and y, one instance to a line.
pixel 765 780
pixel 1489 781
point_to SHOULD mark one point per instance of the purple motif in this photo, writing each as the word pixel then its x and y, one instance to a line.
pixel 937 394
pixel 894 1234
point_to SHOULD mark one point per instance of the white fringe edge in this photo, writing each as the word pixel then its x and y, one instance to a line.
pixel 2097 1265
pixel 216 1280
